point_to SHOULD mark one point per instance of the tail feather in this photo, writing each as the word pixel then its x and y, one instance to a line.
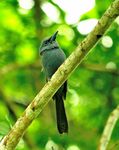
pixel 62 123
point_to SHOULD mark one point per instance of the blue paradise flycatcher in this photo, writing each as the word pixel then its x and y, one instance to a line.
pixel 52 57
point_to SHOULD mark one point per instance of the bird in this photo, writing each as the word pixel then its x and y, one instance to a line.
pixel 52 56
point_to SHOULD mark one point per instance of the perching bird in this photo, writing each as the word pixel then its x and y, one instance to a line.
pixel 52 57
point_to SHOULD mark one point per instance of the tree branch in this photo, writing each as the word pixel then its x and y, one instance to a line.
pixel 10 141
pixel 100 68
pixel 114 116
pixel 13 66
pixel 37 17
pixel 11 108
pixel 36 66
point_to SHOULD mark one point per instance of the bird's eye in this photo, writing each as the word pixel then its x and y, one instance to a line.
pixel 45 42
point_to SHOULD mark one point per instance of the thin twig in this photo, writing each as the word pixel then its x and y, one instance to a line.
pixel 100 68
pixel 114 116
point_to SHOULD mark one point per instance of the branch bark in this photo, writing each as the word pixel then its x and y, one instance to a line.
pixel 114 116
pixel 36 66
pixel 10 141
pixel 11 108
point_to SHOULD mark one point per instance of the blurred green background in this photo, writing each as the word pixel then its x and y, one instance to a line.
pixel 93 88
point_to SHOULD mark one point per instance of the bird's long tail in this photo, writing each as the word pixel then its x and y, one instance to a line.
pixel 62 123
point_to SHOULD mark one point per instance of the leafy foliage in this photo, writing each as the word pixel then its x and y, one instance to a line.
pixel 92 89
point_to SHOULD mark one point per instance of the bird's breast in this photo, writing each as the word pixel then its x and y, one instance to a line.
pixel 51 61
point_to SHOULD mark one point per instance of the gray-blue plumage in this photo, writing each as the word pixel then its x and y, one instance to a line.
pixel 52 58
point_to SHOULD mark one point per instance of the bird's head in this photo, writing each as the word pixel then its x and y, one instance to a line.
pixel 49 44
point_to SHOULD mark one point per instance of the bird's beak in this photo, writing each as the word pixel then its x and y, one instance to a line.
pixel 53 37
